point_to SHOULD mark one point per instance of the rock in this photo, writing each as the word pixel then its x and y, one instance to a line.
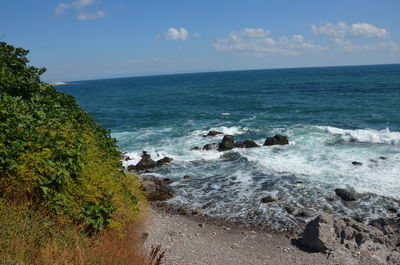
pixel 227 143
pixel 289 209
pixel 212 133
pixel 336 236
pixel 383 157
pixel 277 140
pixel 164 161
pixel 201 225
pixel 269 199
pixel 246 144
pixel 195 148
pixel 355 163
pixel 146 162
pixel 392 210
pixel 131 167
pixel 304 213
pixel 127 158
pixel 156 189
pixel 373 160
pixel 346 195
pixel 187 177
pixel 208 147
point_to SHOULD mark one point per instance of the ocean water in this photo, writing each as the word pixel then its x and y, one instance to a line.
pixel 332 116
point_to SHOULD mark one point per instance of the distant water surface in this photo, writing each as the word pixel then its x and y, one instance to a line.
pixel 332 116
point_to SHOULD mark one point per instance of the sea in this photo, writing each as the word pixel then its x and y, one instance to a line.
pixel 332 116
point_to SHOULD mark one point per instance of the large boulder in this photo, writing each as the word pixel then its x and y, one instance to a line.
pixel 212 133
pixel 277 140
pixel 326 233
pixel 346 195
pixel 156 189
pixel 227 143
pixel 146 162
pixel 164 161
pixel 246 144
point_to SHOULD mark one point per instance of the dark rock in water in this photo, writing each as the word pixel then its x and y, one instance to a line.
pixel 195 148
pixel 277 140
pixel 269 199
pixel 227 143
pixel 208 147
pixel 167 180
pixel 373 160
pixel 355 163
pixel 289 209
pixel 187 177
pixel 246 144
pixel 383 157
pixel 131 167
pixel 146 162
pixel 346 195
pixel 164 161
pixel 304 213
pixel 156 189
pixel 126 158
pixel 212 133
pixel 392 210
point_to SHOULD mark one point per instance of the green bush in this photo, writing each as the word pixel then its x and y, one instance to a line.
pixel 53 155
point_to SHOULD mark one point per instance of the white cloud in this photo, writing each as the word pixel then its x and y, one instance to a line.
pixel 79 7
pixel 177 34
pixel 258 42
pixel 61 8
pixel 91 16
pixel 342 30
pixel 82 3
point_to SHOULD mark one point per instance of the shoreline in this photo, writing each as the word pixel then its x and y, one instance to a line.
pixel 193 239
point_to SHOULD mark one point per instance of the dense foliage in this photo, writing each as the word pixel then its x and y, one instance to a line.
pixel 53 155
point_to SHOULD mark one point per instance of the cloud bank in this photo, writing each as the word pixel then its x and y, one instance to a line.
pixel 79 7
pixel 259 42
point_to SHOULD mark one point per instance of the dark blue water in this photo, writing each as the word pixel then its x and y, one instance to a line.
pixel 332 115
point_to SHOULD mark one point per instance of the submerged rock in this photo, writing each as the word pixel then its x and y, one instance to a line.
pixel 195 148
pixel 246 144
pixel 212 133
pixel 208 147
pixel 269 199
pixel 187 177
pixel 355 163
pixel 346 195
pixel 227 143
pixel 156 189
pixel 276 140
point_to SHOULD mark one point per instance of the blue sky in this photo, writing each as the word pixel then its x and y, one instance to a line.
pixel 90 39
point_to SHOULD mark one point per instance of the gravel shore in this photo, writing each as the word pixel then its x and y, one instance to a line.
pixel 192 240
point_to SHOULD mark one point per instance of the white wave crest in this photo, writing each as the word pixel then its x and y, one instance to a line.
pixel 364 135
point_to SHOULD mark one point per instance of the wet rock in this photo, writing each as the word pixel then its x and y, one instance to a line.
pixel 355 163
pixel 346 195
pixel 304 213
pixel 131 168
pixel 212 133
pixel 146 162
pixel 227 143
pixel 195 148
pixel 127 158
pixel 208 147
pixel 276 140
pixel 392 210
pixel 383 157
pixel 164 161
pixel 156 189
pixel 187 177
pixel 269 199
pixel 246 144
pixel 289 209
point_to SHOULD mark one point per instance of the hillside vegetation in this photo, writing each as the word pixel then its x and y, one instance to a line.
pixel 62 189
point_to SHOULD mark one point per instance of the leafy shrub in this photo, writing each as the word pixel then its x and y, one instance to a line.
pixel 53 155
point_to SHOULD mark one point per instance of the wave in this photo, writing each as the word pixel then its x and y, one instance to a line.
pixel 364 135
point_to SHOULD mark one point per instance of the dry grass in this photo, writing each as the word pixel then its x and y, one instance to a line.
pixel 28 237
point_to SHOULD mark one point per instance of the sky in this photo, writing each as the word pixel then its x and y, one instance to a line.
pixel 94 39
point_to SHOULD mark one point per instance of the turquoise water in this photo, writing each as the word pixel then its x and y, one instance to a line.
pixel 332 116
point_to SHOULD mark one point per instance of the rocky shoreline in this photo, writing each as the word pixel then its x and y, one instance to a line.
pixel 336 237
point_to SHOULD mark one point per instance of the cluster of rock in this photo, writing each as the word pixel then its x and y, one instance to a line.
pixel 229 143
pixel 146 163
pixel 343 237
pixel 157 189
